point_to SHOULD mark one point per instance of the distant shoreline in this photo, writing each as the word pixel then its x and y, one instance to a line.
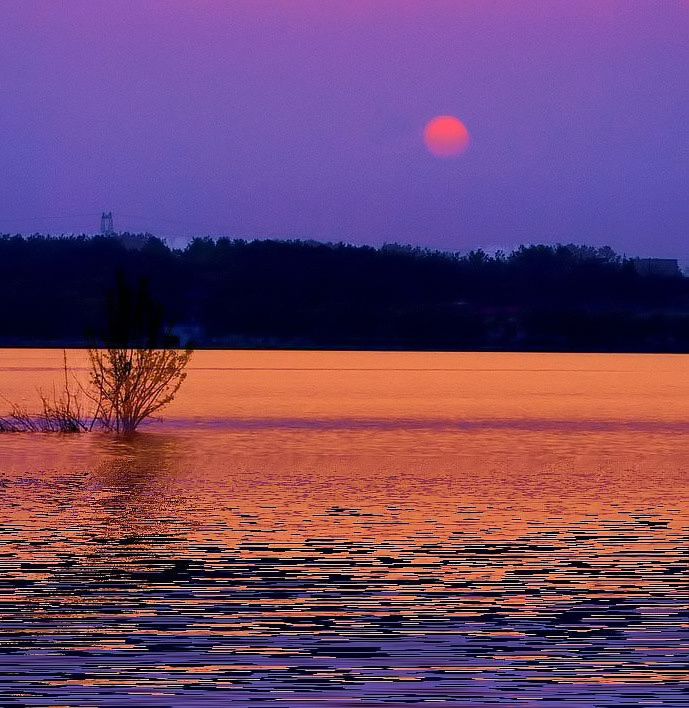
pixel 83 347
pixel 304 295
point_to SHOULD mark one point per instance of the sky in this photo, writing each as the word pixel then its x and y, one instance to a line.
pixel 305 119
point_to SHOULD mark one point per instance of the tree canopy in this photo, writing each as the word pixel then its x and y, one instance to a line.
pixel 267 293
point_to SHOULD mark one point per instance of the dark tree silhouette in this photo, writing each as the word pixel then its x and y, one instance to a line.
pixel 303 294
pixel 135 372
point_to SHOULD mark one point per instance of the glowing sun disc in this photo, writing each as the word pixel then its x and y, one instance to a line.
pixel 446 136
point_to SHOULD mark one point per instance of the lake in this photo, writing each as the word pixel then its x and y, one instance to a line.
pixel 355 529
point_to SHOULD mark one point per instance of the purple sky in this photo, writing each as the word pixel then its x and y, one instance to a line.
pixel 304 119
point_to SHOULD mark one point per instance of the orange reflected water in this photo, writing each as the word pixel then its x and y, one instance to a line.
pixel 355 527
pixel 360 386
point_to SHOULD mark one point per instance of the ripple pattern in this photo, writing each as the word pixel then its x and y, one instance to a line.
pixel 128 585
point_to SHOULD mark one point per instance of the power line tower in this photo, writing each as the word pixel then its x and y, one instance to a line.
pixel 106 227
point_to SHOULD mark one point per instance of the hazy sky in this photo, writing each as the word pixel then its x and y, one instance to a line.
pixel 305 119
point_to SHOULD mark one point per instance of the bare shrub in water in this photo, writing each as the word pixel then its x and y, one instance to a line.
pixel 19 420
pixel 61 414
pixel 64 413
pixel 138 371
pixel 127 386
pixel 133 375
pixel 133 384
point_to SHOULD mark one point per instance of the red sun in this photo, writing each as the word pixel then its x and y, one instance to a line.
pixel 446 136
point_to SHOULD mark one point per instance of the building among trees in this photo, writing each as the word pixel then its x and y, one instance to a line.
pixel 660 267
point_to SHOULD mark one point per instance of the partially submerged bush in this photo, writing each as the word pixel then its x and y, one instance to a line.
pixel 135 373
pixel 60 414
pixel 19 420
pixel 126 386
pixel 137 370
pixel 133 384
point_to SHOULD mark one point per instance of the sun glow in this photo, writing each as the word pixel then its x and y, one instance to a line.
pixel 446 136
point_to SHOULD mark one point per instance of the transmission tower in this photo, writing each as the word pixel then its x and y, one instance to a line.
pixel 106 227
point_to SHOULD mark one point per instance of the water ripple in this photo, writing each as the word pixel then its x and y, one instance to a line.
pixel 120 587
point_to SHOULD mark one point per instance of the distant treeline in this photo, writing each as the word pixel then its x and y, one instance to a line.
pixel 302 294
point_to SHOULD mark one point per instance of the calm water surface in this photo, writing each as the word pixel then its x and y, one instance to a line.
pixel 355 529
